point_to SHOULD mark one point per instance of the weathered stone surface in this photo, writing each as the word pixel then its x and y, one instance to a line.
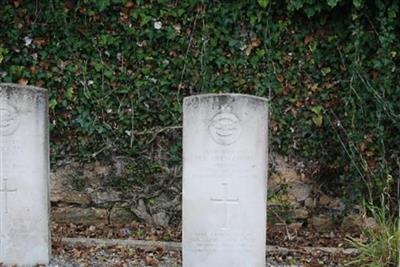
pixel 76 215
pixel 288 183
pixel 324 200
pixel 355 223
pixel 161 218
pixel 284 172
pixel 72 197
pixel 64 183
pixel 310 203
pixel 159 211
pixel 301 213
pixel 332 203
pixel 370 223
pixel 352 223
pixel 322 223
pixel 77 183
pixel 337 205
pixel 120 214
pixel 300 191
pixel 24 175
pixel 106 197
pixel 295 226
pixel 140 210
pixel 224 180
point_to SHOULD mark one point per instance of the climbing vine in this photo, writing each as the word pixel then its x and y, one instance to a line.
pixel 117 71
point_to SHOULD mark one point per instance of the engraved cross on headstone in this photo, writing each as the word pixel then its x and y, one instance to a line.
pixel 225 201
pixel 4 189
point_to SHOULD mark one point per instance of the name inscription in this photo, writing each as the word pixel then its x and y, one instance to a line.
pixel 222 241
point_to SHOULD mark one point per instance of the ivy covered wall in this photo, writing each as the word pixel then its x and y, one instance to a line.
pixel 117 72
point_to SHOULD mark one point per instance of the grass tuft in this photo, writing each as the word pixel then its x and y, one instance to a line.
pixel 379 246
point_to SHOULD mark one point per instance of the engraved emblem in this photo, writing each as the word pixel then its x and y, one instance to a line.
pixel 225 128
pixel 8 119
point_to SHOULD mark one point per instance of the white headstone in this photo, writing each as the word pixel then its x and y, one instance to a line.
pixel 24 171
pixel 224 180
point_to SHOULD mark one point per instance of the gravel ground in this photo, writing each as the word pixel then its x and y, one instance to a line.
pixel 111 261
pixel 122 256
pixel 59 261
pixel 120 247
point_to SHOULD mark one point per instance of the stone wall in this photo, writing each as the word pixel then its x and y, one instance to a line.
pixel 88 194
pixel 96 193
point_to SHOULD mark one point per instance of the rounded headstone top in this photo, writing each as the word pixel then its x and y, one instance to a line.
pixel 227 95
pixel 22 87
pixel 218 101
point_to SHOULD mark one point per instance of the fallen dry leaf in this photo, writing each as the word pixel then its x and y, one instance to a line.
pixel 255 42
pixel 150 260
pixel 23 81
pixel 39 41
pixel 308 39
pixel 129 4
pixel 17 3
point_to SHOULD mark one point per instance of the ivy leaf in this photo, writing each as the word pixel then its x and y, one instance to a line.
pixel 263 3
pixel 144 19
pixel 98 66
pixel 317 110
pixel 102 4
pixel 325 71
pixel 69 94
pixel 52 104
pixel 358 3
pixel 3 52
pixel 332 3
pixel 318 119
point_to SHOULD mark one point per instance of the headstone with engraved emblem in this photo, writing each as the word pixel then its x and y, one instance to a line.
pixel 224 180
pixel 24 171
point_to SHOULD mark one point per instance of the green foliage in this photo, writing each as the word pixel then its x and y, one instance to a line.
pixel 117 72
pixel 316 7
pixel 381 247
pixel 263 3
